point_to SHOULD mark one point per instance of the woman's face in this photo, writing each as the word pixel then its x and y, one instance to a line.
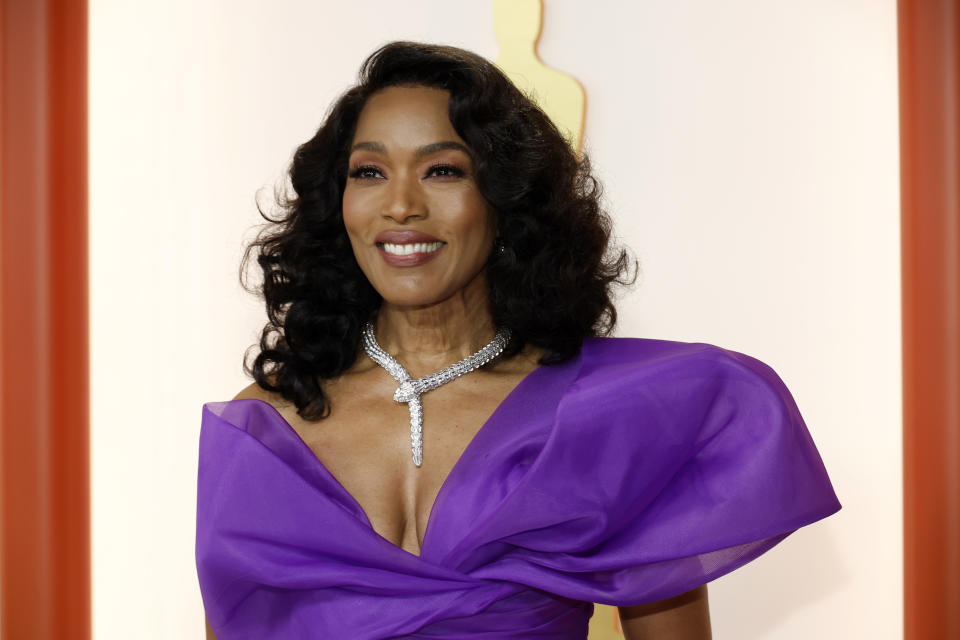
pixel 420 229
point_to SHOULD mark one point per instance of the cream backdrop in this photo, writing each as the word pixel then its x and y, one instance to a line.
pixel 749 152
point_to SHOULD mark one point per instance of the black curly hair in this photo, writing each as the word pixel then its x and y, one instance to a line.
pixel 551 285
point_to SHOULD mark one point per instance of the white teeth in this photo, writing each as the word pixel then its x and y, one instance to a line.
pixel 407 249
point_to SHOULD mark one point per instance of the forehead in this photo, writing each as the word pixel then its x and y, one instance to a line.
pixel 406 116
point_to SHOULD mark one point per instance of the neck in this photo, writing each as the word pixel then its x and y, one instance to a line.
pixel 428 338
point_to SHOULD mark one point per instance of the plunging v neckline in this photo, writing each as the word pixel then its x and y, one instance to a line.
pixel 441 492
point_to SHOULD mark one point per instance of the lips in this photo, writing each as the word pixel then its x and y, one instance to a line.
pixel 426 250
pixel 404 237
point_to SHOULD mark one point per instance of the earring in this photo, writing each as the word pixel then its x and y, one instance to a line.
pixel 498 245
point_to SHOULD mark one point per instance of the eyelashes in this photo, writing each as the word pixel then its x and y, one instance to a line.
pixel 363 172
pixel 443 170
pixel 439 170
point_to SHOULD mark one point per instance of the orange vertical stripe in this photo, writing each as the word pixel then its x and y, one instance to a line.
pixel 44 384
pixel 929 34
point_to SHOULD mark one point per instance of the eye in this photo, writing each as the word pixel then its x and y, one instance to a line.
pixel 442 170
pixel 365 172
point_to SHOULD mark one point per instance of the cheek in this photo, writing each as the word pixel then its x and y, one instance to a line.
pixel 353 218
pixel 474 221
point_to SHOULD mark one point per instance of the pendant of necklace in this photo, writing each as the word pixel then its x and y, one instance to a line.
pixel 411 389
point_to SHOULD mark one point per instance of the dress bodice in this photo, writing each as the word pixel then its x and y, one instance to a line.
pixel 633 472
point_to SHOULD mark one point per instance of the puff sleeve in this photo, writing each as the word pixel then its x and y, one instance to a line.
pixel 669 465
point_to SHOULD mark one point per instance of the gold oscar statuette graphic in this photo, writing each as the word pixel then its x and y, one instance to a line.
pixel 517 25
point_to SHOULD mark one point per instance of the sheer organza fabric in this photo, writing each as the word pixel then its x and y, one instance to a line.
pixel 634 472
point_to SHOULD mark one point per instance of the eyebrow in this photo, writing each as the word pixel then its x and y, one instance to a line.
pixel 425 150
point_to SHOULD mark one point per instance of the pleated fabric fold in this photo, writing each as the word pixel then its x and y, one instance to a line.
pixel 636 471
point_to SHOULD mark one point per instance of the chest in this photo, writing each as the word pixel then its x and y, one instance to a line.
pixel 365 444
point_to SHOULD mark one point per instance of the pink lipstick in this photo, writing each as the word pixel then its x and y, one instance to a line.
pixel 407 248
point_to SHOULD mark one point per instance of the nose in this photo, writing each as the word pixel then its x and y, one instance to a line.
pixel 404 199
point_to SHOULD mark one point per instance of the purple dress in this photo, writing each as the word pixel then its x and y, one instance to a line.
pixel 636 471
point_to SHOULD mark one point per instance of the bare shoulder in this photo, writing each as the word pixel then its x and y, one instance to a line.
pixel 255 391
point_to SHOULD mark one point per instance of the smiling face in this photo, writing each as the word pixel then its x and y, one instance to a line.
pixel 420 228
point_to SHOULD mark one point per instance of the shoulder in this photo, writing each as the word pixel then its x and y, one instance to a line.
pixel 684 392
pixel 669 364
pixel 254 391
pixel 652 350
pixel 251 406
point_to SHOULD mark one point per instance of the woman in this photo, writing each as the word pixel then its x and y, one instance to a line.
pixel 445 265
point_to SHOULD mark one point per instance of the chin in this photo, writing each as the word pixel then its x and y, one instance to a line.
pixel 413 297
pixel 420 290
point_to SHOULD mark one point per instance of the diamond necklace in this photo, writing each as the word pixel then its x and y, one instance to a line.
pixel 411 389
